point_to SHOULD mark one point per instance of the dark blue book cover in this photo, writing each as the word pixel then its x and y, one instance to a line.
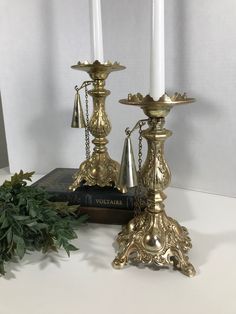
pixel 57 183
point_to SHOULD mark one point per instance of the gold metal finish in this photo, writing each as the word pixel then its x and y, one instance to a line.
pixel 99 169
pixel 152 237
pixel 127 177
pixel 78 120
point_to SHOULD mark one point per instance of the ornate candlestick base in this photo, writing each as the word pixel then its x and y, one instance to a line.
pixel 99 169
pixel 152 237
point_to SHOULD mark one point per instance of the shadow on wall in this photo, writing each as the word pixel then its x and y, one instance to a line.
pixel 3 143
pixel 45 129
pixel 184 121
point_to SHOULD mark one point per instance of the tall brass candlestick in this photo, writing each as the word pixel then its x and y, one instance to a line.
pixel 99 169
pixel 152 237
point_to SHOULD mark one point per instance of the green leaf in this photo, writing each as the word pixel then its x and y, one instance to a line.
pixel 41 226
pixel 71 247
pixel 18 179
pixel 5 234
pixel 2 216
pixel 9 235
pixel 32 212
pixel 20 247
pixel 21 218
pixel 30 222
pixel 5 223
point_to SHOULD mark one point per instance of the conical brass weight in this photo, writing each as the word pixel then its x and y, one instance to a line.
pixel 78 120
pixel 127 176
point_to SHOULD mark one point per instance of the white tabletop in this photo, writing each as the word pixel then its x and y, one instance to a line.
pixel 87 283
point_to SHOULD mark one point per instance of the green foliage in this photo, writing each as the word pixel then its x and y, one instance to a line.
pixel 29 221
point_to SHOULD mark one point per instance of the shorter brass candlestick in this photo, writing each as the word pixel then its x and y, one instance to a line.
pixel 152 237
pixel 99 169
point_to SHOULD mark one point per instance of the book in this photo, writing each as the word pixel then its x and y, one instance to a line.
pixel 102 204
pixel 57 183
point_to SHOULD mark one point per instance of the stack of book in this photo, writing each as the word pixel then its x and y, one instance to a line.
pixel 103 205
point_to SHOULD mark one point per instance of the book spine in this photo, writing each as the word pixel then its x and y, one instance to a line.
pixel 110 201
pixel 121 201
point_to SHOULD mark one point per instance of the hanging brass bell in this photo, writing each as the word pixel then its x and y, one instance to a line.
pixel 78 120
pixel 127 177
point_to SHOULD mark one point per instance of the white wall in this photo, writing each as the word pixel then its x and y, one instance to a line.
pixel 201 60
pixel 40 39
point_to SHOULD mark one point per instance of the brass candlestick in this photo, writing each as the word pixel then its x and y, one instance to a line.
pixel 99 169
pixel 152 237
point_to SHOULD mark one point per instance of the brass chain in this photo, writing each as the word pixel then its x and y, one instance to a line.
pixel 138 188
pixel 87 134
pixel 140 146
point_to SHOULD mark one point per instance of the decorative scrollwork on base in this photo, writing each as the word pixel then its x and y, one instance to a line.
pixel 99 170
pixel 154 239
